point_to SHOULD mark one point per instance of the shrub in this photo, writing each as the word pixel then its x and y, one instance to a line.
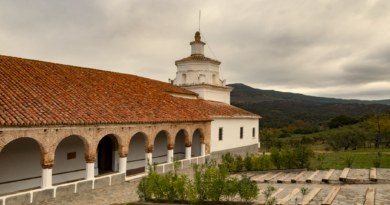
pixel 229 162
pixel 239 164
pixel 377 160
pixel 180 187
pixel 231 189
pixel 349 161
pixel 248 162
pixel 247 189
pixel 144 191
pixel 275 157
pixel 216 179
pixel 320 160
pixel 302 156
pixel 287 158
pixel 267 195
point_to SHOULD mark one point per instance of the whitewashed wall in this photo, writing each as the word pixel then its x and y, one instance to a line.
pixel 231 133
pixel 74 168
pixel 136 155
pixel 195 148
pixel 20 159
pixel 211 93
pixel 180 147
pixel 160 148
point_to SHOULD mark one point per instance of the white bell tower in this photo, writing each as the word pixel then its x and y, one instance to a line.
pixel 200 74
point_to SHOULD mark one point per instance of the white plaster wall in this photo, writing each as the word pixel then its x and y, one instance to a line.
pixel 195 148
pixel 197 48
pixel 76 166
pixel 136 155
pixel 211 93
pixel 20 159
pixel 160 148
pixel 231 133
pixel 194 69
pixel 180 148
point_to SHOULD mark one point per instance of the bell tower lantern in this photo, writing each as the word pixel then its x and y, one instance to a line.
pixel 200 74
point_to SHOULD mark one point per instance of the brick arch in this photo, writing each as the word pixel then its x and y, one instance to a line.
pixel 116 142
pixel 46 162
pixel 148 147
pixel 86 144
pixel 201 132
pixel 170 139
pixel 188 138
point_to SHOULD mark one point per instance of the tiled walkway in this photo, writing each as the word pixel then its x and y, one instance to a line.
pixel 349 194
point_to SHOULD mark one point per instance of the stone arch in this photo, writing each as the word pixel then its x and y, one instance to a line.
pixel 138 146
pixel 202 138
pixel 148 146
pixel 107 151
pixel 170 143
pixel 17 156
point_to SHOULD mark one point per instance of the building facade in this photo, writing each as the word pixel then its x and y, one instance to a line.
pixel 67 126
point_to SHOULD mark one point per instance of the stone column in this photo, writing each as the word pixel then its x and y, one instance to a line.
pixel 122 164
pixel 148 160
pixel 115 161
pixel 202 149
pixel 169 155
pixel 188 152
pixel 90 171
pixel 47 176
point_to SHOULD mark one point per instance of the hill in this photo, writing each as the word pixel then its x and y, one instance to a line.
pixel 279 109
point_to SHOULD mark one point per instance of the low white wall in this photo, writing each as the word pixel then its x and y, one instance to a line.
pixel 231 133
pixel 20 160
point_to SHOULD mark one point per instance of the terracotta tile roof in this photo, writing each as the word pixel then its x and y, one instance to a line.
pixel 41 93
pixel 198 58
pixel 219 109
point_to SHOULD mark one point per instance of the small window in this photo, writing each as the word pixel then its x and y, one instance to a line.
pixel 254 132
pixel 220 133
pixel 241 132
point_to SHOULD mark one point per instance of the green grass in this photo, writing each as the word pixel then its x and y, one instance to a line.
pixel 363 159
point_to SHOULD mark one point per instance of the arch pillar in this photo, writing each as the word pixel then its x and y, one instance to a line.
pixel 47 163
pixel 90 158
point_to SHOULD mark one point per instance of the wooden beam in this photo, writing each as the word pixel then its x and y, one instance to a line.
pixel 327 175
pixel 310 196
pixel 273 176
pixel 311 177
pixel 370 196
pixel 294 179
pixel 332 194
pixel 344 174
pixel 283 178
pixel 373 176
pixel 288 197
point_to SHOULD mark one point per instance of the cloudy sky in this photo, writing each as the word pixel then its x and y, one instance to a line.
pixel 337 48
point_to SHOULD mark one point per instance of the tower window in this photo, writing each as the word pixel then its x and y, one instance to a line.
pixel 183 79
pixel 241 132
pixel 220 134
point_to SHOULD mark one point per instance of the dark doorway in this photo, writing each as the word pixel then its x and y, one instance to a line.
pixel 105 148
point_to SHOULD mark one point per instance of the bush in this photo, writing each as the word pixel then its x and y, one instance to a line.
pixel 248 162
pixel 377 160
pixel 239 163
pixel 247 189
pixel 287 158
pixel 231 189
pixel 301 156
pixel 349 161
pixel 275 157
pixel 320 160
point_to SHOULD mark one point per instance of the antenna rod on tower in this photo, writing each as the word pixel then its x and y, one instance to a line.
pixel 199 20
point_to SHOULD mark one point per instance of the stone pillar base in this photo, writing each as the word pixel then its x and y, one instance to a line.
pixel 47 178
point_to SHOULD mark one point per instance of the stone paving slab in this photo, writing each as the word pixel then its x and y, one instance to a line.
pixel 335 177
pixel 382 195
pixel 350 196
pixel 359 176
pixel 318 178
pixel 383 175
pixel 302 179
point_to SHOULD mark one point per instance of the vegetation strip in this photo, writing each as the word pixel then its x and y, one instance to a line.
pixel 373 176
pixel 332 194
pixel 310 178
pixel 370 196
pixel 288 197
pixel 294 179
pixel 273 195
pixel 327 176
pixel 344 174
pixel 310 196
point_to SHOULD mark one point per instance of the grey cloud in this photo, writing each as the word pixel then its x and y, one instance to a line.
pixel 290 45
